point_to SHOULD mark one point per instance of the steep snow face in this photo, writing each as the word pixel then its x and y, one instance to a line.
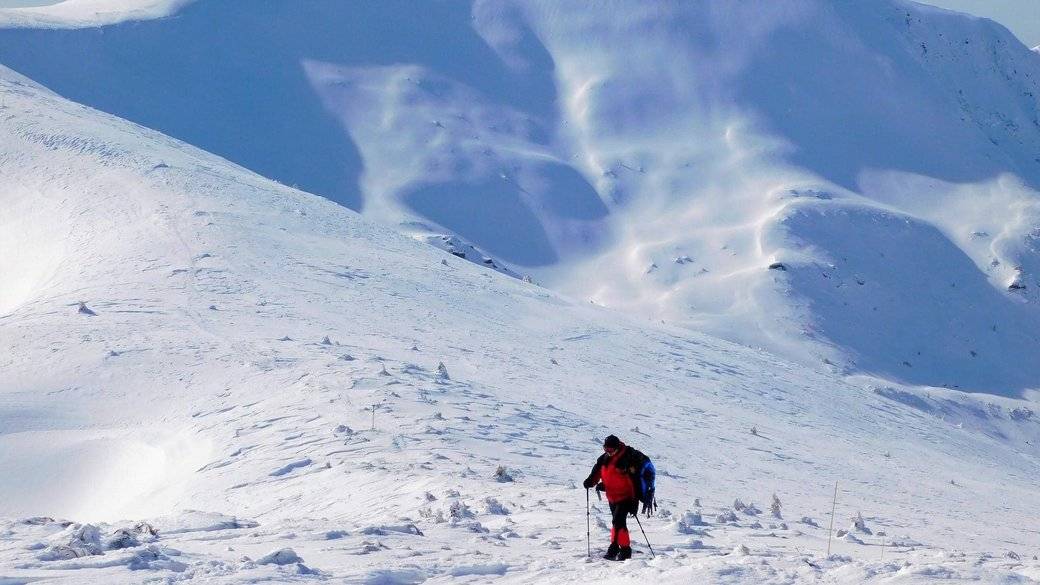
pixel 285 391
pixel 643 157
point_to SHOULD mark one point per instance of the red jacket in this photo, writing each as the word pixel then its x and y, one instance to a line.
pixel 616 473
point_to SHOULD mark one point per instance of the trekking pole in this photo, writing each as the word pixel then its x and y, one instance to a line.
pixel 588 523
pixel 652 555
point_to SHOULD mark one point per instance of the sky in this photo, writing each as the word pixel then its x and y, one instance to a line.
pixel 1021 16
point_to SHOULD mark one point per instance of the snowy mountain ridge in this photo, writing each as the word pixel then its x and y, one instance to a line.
pixel 553 141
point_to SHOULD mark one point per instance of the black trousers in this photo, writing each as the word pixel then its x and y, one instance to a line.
pixel 619 512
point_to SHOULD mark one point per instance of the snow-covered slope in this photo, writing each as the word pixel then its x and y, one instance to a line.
pixel 652 158
pixel 178 333
pixel 83 13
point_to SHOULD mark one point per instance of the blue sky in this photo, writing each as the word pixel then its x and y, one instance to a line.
pixel 1021 16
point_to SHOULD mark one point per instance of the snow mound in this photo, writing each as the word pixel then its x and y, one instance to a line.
pixel 196 521
pixel 285 556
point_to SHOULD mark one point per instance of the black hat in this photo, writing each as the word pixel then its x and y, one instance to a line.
pixel 612 442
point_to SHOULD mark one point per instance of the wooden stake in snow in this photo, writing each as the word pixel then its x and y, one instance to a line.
pixel 373 417
pixel 830 531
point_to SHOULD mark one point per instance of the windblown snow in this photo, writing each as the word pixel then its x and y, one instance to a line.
pixel 649 158
pixel 796 222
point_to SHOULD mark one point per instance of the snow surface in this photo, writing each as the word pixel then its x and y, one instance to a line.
pixel 211 376
pixel 84 13
pixel 652 158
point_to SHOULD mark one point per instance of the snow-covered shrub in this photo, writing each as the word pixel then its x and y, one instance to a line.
pixel 502 475
pixel 849 537
pixel 775 508
pixel 154 558
pixel 687 523
pixel 459 511
pixel 83 540
pixel 859 524
pixel 436 516
pixel 145 529
pixel 121 538
pixel 493 506
pixel 726 517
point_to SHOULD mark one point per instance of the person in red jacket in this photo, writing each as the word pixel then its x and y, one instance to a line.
pixel 619 472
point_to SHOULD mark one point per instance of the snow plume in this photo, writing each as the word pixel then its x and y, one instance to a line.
pixel 590 148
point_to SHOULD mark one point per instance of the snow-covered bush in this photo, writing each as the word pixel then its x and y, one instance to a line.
pixel 859 524
pixel 687 523
pixel 493 506
pixel 726 517
pixel 459 511
pixel 502 475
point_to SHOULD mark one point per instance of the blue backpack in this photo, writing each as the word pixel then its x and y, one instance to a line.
pixel 647 482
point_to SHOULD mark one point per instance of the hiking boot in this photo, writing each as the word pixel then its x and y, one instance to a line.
pixel 625 553
pixel 612 552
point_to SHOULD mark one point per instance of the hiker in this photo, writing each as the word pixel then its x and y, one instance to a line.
pixel 628 478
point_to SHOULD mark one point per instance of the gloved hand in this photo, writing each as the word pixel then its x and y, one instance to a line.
pixel 599 489
pixel 588 483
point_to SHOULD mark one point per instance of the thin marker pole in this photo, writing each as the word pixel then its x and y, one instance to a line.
pixel 830 531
